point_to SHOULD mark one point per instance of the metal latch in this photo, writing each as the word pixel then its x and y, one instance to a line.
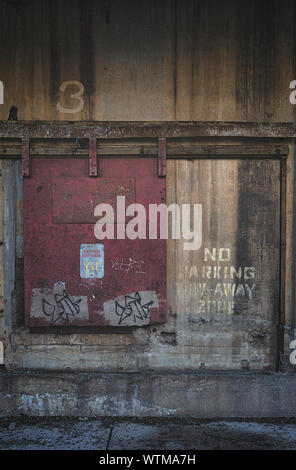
pixel 162 156
pixel 26 157
pixel 92 161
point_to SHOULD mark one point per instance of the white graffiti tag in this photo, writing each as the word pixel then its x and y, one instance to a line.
pixel 127 265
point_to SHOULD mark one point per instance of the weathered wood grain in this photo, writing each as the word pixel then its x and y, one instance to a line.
pixel 149 60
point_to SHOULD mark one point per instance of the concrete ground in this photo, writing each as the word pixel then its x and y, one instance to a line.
pixel 145 434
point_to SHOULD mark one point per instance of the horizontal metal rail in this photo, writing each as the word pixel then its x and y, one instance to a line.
pixel 174 150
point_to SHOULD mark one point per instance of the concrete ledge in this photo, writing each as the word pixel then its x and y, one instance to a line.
pixel 146 394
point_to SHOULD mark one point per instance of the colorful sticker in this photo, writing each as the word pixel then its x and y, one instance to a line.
pixel 92 261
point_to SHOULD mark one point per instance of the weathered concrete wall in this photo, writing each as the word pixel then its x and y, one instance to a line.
pixel 200 395
pixel 209 61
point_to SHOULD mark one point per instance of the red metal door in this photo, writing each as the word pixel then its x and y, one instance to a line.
pixel 71 277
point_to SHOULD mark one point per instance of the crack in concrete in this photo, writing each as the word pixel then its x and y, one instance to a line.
pixel 109 437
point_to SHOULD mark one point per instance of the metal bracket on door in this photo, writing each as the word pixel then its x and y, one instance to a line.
pixel 162 156
pixel 26 157
pixel 92 162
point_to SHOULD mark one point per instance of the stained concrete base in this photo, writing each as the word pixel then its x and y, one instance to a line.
pixel 145 434
pixel 201 394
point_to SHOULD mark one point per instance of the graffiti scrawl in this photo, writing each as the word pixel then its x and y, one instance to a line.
pixel 57 305
pixel 64 308
pixel 127 265
pixel 131 309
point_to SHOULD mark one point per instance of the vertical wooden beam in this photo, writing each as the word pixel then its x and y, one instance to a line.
pixel 1 276
pixel 9 229
pixel 283 250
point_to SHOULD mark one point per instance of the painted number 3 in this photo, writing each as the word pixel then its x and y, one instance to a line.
pixel 78 96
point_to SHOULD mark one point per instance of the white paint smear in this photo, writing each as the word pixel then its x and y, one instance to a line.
pixel 1 353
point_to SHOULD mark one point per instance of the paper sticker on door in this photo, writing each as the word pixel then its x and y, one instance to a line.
pixel 91 261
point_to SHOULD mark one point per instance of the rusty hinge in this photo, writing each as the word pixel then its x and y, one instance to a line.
pixel 162 156
pixel 26 157
pixel 92 162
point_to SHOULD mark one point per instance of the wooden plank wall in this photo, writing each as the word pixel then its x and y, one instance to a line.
pixel 150 60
